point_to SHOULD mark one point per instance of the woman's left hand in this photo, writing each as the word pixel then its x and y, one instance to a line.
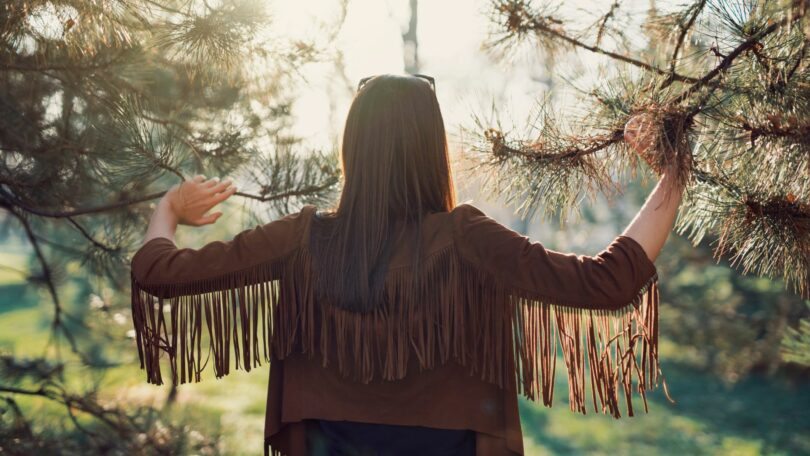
pixel 190 201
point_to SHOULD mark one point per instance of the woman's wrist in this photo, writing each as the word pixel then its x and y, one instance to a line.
pixel 672 182
pixel 163 222
pixel 167 211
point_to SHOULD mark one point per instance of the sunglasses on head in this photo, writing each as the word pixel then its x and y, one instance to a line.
pixel 423 76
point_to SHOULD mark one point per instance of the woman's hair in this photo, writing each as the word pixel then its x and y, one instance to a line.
pixel 396 169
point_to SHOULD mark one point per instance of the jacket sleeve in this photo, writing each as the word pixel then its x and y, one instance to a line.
pixel 602 309
pixel 205 306
pixel 609 280
pixel 164 270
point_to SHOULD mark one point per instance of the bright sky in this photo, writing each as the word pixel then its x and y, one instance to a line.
pixel 450 34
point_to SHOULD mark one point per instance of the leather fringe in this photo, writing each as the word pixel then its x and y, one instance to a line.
pixel 459 313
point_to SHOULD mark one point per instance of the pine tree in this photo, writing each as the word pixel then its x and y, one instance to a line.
pixel 104 105
pixel 796 346
pixel 725 88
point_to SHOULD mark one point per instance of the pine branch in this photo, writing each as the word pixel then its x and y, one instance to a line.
pixel 14 270
pixel 795 346
pixel 116 419
pixel 605 19
pixel 775 129
pixel 89 210
pixel 19 417
pixel 725 64
pixel 310 190
pixel 59 312
pixel 89 237
pixel 799 60
pixel 696 10
pixel 519 20
pixel 766 234
pixel 578 148
pixel 46 269
pixel 717 181
pixel 23 391
pixel 45 68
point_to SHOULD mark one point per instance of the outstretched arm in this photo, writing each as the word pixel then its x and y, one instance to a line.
pixel 220 295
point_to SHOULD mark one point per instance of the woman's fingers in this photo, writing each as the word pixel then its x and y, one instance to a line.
pixel 222 196
pixel 213 201
pixel 220 187
pixel 211 182
pixel 209 219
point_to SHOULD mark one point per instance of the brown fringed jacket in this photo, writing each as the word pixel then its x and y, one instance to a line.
pixel 483 328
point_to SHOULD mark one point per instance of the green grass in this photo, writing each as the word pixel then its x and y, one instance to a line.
pixel 12 268
pixel 754 417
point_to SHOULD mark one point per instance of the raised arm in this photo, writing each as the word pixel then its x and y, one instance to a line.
pixel 612 279
pixel 603 308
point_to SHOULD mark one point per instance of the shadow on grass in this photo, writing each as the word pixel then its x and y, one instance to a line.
pixel 757 415
pixel 16 296
pixel 534 421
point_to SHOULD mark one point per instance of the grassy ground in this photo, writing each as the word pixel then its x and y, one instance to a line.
pixel 757 416
pixel 754 417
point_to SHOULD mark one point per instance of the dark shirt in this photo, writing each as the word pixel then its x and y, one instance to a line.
pixel 349 438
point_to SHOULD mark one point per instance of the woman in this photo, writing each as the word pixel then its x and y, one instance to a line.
pixel 400 323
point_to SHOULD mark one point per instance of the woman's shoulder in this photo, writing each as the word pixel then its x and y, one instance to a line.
pixel 290 229
pixel 306 211
pixel 467 226
pixel 452 224
pixel 467 209
pixel 467 216
pixel 478 235
pixel 298 219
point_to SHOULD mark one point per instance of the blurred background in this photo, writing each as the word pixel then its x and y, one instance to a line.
pixel 106 104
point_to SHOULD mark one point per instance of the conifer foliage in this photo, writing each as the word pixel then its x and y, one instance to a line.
pixel 104 104
pixel 725 89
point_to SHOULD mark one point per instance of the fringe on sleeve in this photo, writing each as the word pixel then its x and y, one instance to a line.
pixel 614 347
pixel 233 313
pixel 458 313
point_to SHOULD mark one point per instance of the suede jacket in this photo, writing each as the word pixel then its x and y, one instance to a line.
pixel 485 325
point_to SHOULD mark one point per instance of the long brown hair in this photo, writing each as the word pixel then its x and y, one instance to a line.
pixel 396 169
